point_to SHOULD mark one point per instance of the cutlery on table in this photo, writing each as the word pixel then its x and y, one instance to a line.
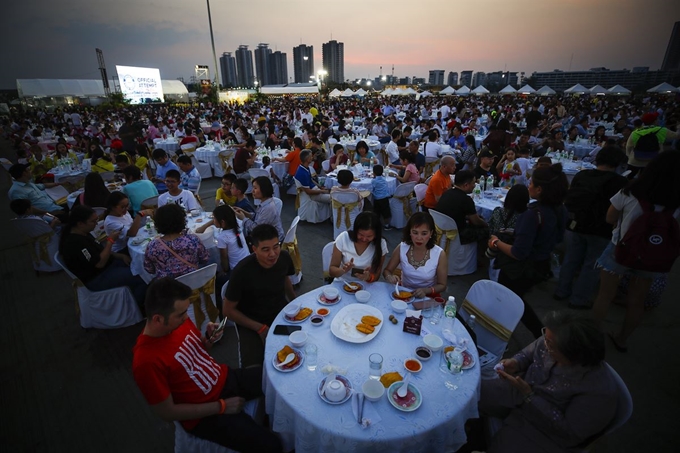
pixel 361 408
pixel 289 358
pixel 351 285
pixel 404 387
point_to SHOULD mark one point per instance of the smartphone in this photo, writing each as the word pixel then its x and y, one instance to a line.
pixel 357 271
pixel 286 330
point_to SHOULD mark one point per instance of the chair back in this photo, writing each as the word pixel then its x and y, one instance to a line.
pixel 207 237
pixel 346 207
pixel 150 203
pixel 404 189
pixel 226 160
pixel 101 212
pixel 57 193
pixel 430 168
pixel 326 255
pixel 501 310
pixel 290 245
pixel 279 205
pixel 188 148
pixel 290 235
pixel 402 204
pixel 108 176
pixel 257 172
pixel 420 190
pixel 202 308
pixel 43 243
pixel 624 407
pixel 326 165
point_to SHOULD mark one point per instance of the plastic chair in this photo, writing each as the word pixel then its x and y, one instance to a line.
pixel 308 209
pixel 326 166
pixel 43 242
pixel 150 203
pixel 108 176
pixel 420 190
pixel 291 246
pixel 346 207
pixel 106 309
pixel 430 168
pixel 202 309
pixel 499 304
pixel 402 204
pixel 101 212
pixel 326 255
pixel 462 258
pixel 279 204
pixel 203 168
pixel 207 237
pixel 226 163
pixel 57 193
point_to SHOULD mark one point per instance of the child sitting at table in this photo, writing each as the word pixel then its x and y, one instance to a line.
pixel 238 190
pixel 345 178
pixel 24 210
pixel 381 196
pixel 266 165
pixel 223 194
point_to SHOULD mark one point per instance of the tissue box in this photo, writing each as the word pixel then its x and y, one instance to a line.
pixel 413 322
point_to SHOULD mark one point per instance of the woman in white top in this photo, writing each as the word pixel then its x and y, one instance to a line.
pixel 230 242
pixel 361 250
pixel 119 219
pixel 423 263
pixel 431 149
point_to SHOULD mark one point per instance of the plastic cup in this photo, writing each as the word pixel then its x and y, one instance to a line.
pixel 311 356
pixel 375 362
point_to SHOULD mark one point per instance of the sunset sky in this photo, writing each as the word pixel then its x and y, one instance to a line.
pixel 57 39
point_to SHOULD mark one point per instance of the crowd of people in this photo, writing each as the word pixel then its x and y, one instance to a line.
pixel 601 217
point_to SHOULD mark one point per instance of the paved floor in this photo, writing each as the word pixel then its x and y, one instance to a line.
pixel 64 388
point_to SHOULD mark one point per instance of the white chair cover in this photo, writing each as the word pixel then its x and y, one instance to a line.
pixel 310 210
pixel 326 255
pixel 107 309
pixel 149 203
pixel 500 304
pixel 291 238
pixel 462 258
pixel 204 168
pixel 344 198
pixel 326 165
pixel 196 280
pixel 57 193
pixel 278 203
pixel 401 208
pixel 43 240
pixel 420 190
pixel 207 237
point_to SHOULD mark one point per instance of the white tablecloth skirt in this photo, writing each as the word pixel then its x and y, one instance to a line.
pixel 301 416
pixel 363 184
pixel 170 146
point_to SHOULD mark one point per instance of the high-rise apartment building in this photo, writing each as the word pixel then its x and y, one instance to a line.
pixel 466 78
pixel 262 64
pixel 478 79
pixel 452 80
pixel 672 58
pixel 436 77
pixel 228 70
pixel 244 67
pixel 303 63
pixel 278 65
pixel 333 58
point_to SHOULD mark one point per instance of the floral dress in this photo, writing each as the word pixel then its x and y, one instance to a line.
pixel 161 262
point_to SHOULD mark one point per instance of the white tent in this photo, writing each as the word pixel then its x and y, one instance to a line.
pixel 545 90
pixel 347 93
pixel 526 89
pixel 335 93
pixel 295 88
pixel 618 89
pixel 447 90
pixel 410 90
pixel 361 92
pixel 598 89
pixel 387 92
pixel 480 90
pixel 663 88
pixel 38 88
pixel 425 94
pixel 463 91
pixel 577 89
pixel 397 92
pixel 508 90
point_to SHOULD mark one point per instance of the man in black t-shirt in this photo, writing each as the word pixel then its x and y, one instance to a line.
pixel 485 167
pixel 259 287
pixel 456 204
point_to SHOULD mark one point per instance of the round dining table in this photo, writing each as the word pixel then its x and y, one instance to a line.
pixel 362 184
pixel 170 144
pixel 309 424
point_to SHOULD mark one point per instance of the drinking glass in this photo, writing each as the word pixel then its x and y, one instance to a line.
pixel 428 307
pixel 375 362
pixel 437 311
pixel 311 353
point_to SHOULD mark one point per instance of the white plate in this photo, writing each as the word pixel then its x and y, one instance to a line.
pixel 344 323
pixel 295 321
pixel 408 301
pixel 348 389
pixel 415 399
pixel 300 356
pixel 322 300
pixel 472 360
pixel 361 286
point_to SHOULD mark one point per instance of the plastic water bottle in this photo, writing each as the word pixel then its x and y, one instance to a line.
pixel 477 192
pixel 449 316
pixel 489 182
pixel 472 322
pixel 571 156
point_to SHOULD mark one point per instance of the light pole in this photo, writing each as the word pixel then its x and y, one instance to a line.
pixel 212 41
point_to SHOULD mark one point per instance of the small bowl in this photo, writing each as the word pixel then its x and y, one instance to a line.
pixel 335 391
pixel 330 293
pixel 423 353
pixel 362 296
pixel 433 342
pixel 373 390
pixel 194 212
pixel 413 365
pixel 316 320
pixel 399 306
pixel 291 310
pixel 323 311
pixel 298 338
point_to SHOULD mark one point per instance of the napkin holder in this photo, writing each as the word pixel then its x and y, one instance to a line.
pixel 413 322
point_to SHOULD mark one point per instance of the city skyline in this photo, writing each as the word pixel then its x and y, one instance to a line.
pixel 58 41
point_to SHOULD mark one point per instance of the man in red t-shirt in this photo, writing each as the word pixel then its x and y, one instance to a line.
pixel 189 138
pixel 181 381
pixel 440 182
pixel 244 159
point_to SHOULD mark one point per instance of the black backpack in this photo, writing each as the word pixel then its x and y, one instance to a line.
pixel 587 202
pixel 647 147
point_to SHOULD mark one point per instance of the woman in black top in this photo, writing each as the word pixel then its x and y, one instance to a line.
pixel 93 263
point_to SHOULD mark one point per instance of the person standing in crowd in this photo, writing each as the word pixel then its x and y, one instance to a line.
pixel 637 161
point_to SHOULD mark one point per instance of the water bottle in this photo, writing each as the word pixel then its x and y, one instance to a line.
pixel 547 153
pixel 489 183
pixel 477 192
pixel 449 316
pixel 472 322
pixel 221 203
pixel 571 156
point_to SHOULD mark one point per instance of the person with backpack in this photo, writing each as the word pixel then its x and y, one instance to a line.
pixel 645 241
pixel 645 143
pixel 525 262
pixel 588 232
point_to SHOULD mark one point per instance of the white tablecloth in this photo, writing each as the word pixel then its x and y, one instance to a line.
pixel 580 150
pixel 212 156
pixel 170 145
pixel 50 144
pixel 373 145
pixel 296 410
pixel 137 251
pixel 363 183
pixel 58 176
pixel 489 202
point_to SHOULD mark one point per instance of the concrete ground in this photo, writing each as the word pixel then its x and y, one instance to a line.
pixel 65 388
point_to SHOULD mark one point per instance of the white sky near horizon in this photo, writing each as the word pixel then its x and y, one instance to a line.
pixel 58 39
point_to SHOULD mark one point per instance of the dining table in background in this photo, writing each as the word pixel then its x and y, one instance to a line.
pixel 48 144
pixel 309 424
pixel 362 183
pixel 170 144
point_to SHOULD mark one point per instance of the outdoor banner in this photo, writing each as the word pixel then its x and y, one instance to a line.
pixel 140 85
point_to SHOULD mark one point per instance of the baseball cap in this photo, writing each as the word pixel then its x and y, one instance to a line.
pixel 485 152
pixel 649 118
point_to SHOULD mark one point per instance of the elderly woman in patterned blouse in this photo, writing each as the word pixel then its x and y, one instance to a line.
pixel 175 253
pixel 556 394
